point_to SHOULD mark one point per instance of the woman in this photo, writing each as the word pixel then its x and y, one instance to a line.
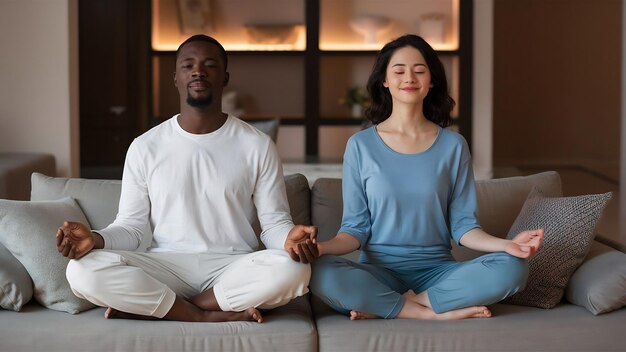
pixel 407 188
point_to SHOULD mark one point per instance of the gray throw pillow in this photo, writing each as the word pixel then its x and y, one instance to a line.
pixel 599 284
pixel 16 287
pixel 27 230
pixel 569 226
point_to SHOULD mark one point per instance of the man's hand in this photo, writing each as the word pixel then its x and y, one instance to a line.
pixel 525 244
pixel 74 240
pixel 301 243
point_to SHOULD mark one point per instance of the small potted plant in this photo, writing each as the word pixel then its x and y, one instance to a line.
pixel 356 99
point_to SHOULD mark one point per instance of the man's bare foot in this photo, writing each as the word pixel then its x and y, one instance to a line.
pixel 116 314
pixel 356 315
pixel 250 314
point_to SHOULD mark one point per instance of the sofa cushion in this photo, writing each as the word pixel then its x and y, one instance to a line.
pixel 599 284
pixel 99 199
pixel 512 328
pixel 500 200
pixel 286 328
pixel 16 287
pixel 326 210
pixel 299 197
pixel 27 230
pixel 569 227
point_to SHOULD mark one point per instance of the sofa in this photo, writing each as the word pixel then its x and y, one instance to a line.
pixel 307 324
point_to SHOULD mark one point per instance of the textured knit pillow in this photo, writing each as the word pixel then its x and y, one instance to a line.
pixel 27 230
pixel 569 224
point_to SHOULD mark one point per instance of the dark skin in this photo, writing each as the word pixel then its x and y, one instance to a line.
pixel 200 78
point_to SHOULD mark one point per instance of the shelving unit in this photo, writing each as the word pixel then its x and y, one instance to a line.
pixel 302 81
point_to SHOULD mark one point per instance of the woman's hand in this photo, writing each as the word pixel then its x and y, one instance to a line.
pixel 525 244
pixel 301 244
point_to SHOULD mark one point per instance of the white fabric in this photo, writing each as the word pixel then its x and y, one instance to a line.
pixel 197 193
pixel 264 279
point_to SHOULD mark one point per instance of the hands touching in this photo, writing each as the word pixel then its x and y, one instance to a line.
pixel 525 244
pixel 301 243
pixel 74 240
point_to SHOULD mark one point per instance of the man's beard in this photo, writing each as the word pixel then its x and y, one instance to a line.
pixel 199 103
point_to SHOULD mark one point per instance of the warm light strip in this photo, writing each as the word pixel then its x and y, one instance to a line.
pixel 239 47
pixel 374 47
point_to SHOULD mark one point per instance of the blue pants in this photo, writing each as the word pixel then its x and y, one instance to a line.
pixel 345 285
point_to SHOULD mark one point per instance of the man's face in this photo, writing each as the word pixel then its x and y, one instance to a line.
pixel 200 76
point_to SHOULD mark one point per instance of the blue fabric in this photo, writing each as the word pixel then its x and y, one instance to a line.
pixel 345 285
pixel 405 207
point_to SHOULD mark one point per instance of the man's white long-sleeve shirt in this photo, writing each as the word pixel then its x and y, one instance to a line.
pixel 197 193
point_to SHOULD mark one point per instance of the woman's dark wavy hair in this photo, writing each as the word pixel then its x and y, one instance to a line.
pixel 438 103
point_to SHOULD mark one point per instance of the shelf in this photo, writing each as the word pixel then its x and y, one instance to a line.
pixel 302 81
pixel 239 25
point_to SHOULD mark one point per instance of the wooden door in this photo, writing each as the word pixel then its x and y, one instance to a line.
pixel 113 51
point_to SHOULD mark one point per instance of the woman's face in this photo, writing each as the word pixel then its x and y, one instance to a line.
pixel 407 76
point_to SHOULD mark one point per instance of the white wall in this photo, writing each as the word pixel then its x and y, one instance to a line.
pixel 39 85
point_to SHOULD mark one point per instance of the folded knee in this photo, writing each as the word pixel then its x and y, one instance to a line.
pixel 290 277
pixel 80 277
pixel 324 273
pixel 511 276
pixel 86 275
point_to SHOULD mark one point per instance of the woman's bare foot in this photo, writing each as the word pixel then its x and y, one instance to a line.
pixel 414 310
pixel 250 314
pixel 356 315
pixel 464 313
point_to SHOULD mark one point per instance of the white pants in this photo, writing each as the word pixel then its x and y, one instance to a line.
pixel 147 283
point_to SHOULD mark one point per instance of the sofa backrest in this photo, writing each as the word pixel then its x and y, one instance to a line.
pixel 499 202
pixel 99 199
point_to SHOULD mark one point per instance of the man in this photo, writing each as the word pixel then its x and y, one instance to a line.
pixel 193 183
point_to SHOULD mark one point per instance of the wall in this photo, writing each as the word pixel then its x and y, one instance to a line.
pixel 39 86
pixel 482 86
pixel 557 82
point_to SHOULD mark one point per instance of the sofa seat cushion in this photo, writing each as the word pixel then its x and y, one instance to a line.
pixel 512 328
pixel 287 328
